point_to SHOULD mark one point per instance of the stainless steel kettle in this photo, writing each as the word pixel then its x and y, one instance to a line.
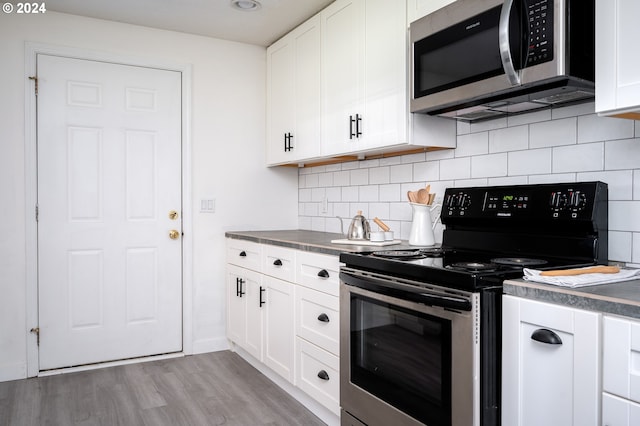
pixel 359 228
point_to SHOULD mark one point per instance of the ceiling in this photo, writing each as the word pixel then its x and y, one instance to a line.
pixel 212 18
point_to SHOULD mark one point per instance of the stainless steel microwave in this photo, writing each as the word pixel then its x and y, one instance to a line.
pixel 479 59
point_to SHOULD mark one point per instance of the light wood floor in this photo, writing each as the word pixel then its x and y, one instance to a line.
pixel 218 388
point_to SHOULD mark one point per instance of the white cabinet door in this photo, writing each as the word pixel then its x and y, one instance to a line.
pixel 279 332
pixel 318 319
pixel 384 118
pixel 342 72
pixel 244 316
pixel 619 412
pixel 617 58
pixel 621 358
pixel 293 93
pixel 547 383
pixel 416 9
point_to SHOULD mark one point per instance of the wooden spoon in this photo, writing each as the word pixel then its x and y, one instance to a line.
pixel 412 196
pixel 432 197
pixel 423 196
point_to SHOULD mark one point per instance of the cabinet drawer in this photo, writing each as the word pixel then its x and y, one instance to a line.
pixel 621 358
pixel 319 272
pixel 319 375
pixel 619 412
pixel 319 319
pixel 244 253
pixel 279 262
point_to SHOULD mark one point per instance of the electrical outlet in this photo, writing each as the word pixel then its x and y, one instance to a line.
pixel 324 205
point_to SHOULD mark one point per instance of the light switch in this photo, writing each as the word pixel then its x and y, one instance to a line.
pixel 208 205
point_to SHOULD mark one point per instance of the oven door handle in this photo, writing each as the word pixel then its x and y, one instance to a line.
pixel 405 292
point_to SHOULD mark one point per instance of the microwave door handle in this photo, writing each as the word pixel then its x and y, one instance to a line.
pixel 505 47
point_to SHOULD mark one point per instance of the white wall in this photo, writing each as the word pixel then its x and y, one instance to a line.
pixel 227 136
pixel 569 144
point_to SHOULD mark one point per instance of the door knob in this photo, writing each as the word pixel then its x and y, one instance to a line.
pixel 173 215
pixel 173 234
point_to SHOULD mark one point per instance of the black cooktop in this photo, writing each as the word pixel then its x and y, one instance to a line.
pixel 491 233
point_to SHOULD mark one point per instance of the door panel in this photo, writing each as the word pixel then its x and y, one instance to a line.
pixel 109 172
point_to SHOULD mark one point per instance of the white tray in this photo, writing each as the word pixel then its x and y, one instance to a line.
pixel 366 242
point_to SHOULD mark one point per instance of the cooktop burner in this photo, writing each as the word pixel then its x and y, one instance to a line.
pixel 518 261
pixel 410 254
pixel 473 266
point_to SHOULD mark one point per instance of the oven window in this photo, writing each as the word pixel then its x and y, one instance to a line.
pixel 402 357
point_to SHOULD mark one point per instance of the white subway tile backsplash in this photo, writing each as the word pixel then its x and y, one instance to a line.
pixel 491 165
pixel 457 168
pixel 532 117
pixel 427 171
pixel 359 177
pixel 622 154
pixel 578 158
pixel 341 178
pixel 620 183
pixel 553 133
pixel 624 216
pixel 390 192
pixel 531 162
pixel 592 128
pixel 472 144
pixel 509 139
pixel 401 173
pixel 559 145
pixel 368 193
pixel 379 175
pixel 553 178
pixel 620 244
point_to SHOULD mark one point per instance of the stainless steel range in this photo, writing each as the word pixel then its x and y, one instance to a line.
pixel 420 334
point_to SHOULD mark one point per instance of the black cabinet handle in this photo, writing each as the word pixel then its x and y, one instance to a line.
pixel 543 335
pixel 243 254
pixel 351 122
pixel 239 282
pixel 358 120
pixel 287 142
pixel 277 262
pixel 323 375
pixel 262 302
pixel 323 317
pixel 323 274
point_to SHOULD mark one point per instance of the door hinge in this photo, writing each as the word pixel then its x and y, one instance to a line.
pixel 36 330
pixel 35 79
pixel 37 212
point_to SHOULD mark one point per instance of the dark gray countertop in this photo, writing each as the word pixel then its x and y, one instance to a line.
pixel 622 298
pixel 314 241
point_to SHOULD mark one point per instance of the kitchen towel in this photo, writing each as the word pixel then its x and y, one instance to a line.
pixel 583 280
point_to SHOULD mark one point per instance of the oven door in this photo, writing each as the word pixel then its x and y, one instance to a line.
pixel 408 354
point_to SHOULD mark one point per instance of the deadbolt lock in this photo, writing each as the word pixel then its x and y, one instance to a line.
pixel 173 234
pixel 173 215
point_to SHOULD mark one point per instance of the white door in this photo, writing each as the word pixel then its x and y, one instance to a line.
pixel 109 174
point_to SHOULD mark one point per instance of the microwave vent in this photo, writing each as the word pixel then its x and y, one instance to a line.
pixel 478 115
pixel 564 97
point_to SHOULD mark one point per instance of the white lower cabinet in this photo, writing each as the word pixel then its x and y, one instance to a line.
pixel 550 364
pixel 319 374
pixel 621 372
pixel 279 329
pixel 283 309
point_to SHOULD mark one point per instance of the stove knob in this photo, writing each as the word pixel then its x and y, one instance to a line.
pixel 577 201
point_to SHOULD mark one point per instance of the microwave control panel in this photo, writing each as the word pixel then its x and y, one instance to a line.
pixel 540 20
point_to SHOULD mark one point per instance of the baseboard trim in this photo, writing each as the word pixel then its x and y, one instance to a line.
pixel 9 372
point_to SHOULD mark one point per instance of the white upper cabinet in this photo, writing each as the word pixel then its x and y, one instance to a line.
pixel 293 95
pixel 618 58
pixel 365 82
pixel 416 9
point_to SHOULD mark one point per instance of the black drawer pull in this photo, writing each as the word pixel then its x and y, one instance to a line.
pixel 323 317
pixel 239 282
pixel 277 262
pixel 323 375
pixel 243 254
pixel 543 335
pixel 323 274
pixel 262 302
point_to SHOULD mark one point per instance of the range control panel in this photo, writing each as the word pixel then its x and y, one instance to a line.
pixel 563 201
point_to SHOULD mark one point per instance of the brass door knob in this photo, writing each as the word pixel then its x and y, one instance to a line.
pixel 173 234
pixel 173 215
